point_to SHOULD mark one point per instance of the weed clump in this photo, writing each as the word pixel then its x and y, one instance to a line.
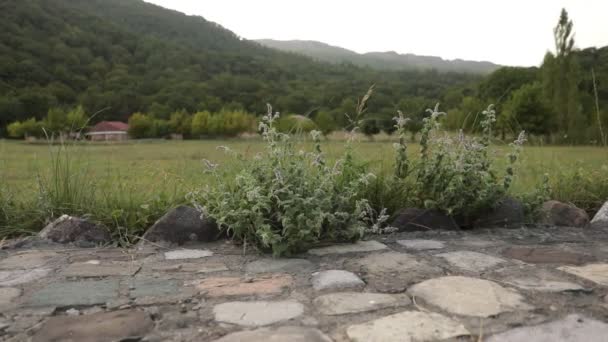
pixel 453 174
pixel 287 200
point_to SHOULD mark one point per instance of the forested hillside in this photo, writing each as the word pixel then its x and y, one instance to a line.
pixel 128 56
pixel 132 56
pixel 378 60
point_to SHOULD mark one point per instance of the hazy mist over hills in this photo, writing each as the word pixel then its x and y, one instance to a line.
pixel 378 60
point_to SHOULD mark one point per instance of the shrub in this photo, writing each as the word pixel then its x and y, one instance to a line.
pixel 140 126
pixel 15 130
pixel 76 119
pixel 453 174
pixel 233 122
pixel 325 122
pixel 287 200
pixel 295 124
pixel 27 128
pixel 180 123
pixel 200 124
pixel 160 128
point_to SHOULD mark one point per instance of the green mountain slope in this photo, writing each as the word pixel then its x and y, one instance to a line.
pixel 129 56
pixel 378 60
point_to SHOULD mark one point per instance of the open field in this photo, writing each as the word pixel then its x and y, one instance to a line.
pixel 149 176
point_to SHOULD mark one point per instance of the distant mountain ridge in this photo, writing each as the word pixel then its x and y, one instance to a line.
pixel 378 60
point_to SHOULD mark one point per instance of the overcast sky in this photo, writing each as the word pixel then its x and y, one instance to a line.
pixel 514 32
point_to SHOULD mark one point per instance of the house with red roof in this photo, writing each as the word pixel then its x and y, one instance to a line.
pixel 109 131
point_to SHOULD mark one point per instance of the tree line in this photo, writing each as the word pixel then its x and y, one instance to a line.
pixel 134 57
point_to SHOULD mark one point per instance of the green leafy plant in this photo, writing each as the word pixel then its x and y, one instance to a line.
pixel 453 174
pixel 287 200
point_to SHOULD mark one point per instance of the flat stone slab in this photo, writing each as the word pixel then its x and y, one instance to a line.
pixel 358 247
pixel 407 326
pixel 75 293
pixel 92 269
pixel 597 273
pixel 235 286
pixel 392 271
pixel 336 280
pixel 279 334
pixel 253 314
pixel 200 267
pixel 468 296
pixel 180 254
pixel 18 277
pixel 28 260
pixel 153 287
pixel 279 265
pixel 355 302
pixel 572 328
pixel 421 245
pixel 534 284
pixel 99 327
pixel 546 255
pixel 8 294
pixel 471 261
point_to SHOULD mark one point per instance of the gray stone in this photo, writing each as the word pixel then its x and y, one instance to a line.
pixel 407 326
pixel 17 277
pixel 471 261
pixel 392 272
pixel 358 247
pixel 543 285
pixel 597 273
pixel 547 255
pixel 198 267
pixel 180 254
pixel 279 265
pixel 28 260
pixel 354 302
pixel 112 326
pixel 532 278
pixel 336 280
pixel 253 314
pixel 64 294
pixel 508 214
pixel 421 245
pixel 89 269
pixel 554 213
pixel 415 219
pixel 279 334
pixel 68 229
pixel 181 225
pixel 600 220
pixel 468 296
pixel 153 287
pixel 572 328
pixel 7 295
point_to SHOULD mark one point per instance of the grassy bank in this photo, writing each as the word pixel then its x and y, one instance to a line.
pixel 128 186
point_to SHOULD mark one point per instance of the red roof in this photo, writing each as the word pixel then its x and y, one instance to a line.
pixel 110 126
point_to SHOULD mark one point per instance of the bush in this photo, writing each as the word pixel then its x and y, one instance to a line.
pixel 200 124
pixel 453 174
pixel 180 123
pixel 232 123
pixel 295 124
pixel 140 126
pixel 325 122
pixel 287 200
pixel 27 128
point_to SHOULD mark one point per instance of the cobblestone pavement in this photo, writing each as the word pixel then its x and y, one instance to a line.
pixel 544 284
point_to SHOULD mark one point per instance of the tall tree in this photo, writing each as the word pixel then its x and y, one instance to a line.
pixel 561 78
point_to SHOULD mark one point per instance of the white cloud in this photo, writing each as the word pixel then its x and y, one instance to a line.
pixel 516 32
